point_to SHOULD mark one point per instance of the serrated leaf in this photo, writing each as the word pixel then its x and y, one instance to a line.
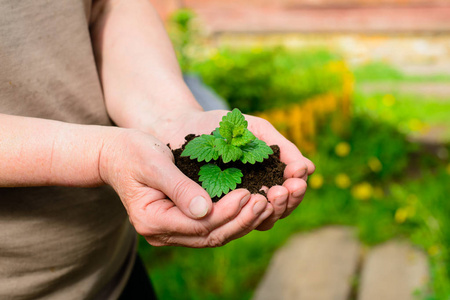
pixel 238 130
pixel 244 139
pixel 217 182
pixel 202 148
pixel 217 134
pixel 255 151
pixel 227 151
pixel 235 117
pixel 226 130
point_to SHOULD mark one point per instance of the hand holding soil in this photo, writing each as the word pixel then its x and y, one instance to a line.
pixel 284 198
pixel 141 170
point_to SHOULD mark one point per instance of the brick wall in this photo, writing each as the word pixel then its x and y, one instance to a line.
pixel 314 3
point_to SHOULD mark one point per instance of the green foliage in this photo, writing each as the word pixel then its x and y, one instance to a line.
pixel 227 152
pixel 184 35
pixel 410 114
pixel 259 79
pixel 202 148
pixel 377 71
pixel 232 141
pixel 255 151
pixel 217 182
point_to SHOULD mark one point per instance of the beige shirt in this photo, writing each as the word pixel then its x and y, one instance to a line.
pixel 57 242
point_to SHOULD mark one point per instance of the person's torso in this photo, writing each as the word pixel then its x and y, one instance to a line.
pixel 55 242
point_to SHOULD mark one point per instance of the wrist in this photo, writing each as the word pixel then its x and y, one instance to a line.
pixel 109 154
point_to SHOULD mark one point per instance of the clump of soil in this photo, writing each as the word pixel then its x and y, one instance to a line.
pixel 268 173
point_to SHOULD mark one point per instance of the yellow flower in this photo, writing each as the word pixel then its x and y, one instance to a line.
pixel 342 181
pixel 388 100
pixel 375 164
pixel 433 250
pixel 342 149
pixel 315 181
pixel 415 125
pixel 401 214
pixel 362 191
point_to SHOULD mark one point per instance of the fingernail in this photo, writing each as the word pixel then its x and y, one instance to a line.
pixel 297 193
pixel 244 200
pixel 259 207
pixel 198 207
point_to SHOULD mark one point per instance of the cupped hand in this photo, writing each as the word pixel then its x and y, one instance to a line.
pixel 141 170
pixel 285 198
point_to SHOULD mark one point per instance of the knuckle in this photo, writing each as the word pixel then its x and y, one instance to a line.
pixel 142 229
pixel 181 188
pixel 201 229
pixel 244 223
pixel 215 240
pixel 159 240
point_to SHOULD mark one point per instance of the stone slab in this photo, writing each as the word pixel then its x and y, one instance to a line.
pixel 315 266
pixel 393 271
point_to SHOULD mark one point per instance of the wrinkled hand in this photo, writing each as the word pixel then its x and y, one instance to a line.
pixel 285 198
pixel 141 170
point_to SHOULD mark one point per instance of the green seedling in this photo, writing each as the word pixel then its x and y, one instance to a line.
pixel 231 141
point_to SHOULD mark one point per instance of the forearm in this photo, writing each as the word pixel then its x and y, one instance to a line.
pixel 142 82
pixel 38 152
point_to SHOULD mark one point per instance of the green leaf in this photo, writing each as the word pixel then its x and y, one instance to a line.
pixel 217 134
pixel 217 182
pixel 235 117
pixel 244 139
pixel 227 151
pixel 202 148
pixel 257 150
pixel 226 130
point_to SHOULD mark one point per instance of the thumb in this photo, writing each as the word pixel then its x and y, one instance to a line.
pixel 187 195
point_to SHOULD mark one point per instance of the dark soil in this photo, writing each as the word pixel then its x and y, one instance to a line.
pixel 268 173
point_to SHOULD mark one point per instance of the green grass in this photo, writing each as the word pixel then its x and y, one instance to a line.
pixel 411 114
pixel 383 72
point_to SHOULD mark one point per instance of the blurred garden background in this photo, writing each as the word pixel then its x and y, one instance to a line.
pixel 363 88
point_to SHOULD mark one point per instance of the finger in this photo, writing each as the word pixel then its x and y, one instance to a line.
pixel 251 215
pixel 297 189
pixel 296 169
pixel 288 151
pixel 171 221
pixel 187 195
pixel 310 165
pixel 278 196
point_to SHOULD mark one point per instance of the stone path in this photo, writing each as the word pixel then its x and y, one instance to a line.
pixel 393 271
pixel 326 265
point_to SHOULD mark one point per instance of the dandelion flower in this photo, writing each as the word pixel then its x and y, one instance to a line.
pixel 362 191
pixel 388 100
pixel 342 149
pixel 316 181
pixel 375 164
pixel 342 181
pixel 433 250
pixel 401 214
